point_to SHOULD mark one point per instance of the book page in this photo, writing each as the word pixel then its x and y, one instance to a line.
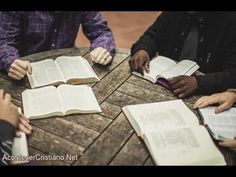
pixel 44 73
pixel 162 115
pixel 222 125
pixel 184 67
pixel 183 146
pixel 77 69
pixel 78 99
pixel 157 66
pixel 41 102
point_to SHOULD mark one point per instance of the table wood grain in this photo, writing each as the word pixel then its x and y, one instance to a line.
pixel 106 138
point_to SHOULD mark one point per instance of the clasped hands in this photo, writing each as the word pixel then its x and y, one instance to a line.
pixel 181 86
pixel 20 68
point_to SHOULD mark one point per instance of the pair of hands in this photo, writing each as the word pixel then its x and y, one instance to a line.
pixel 182 86
pixel 10 113
pixel 225 100
pixel 19 68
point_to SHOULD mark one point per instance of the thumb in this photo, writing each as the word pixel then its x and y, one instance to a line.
pixel 222 107
pixel 146 66
pixel 29 68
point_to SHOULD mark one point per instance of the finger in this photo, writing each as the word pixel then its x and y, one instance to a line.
pixel 131 65
pixel 26 124
pixel 140 70
pixel 100 56
pixel 208 101
pixel 174 80
pixel 135 64
pixel 186 93
pixel 24 129
pixel 29 68
pixel 179 91
pixel 1 94
pixel 13 76
pixel 23 117
pixel 141 63
pixel 222 107
pixel 146 66
pixel 228 143
pixel 94 53
pixel 18 134
pixel 109 59
pixel 22 64
pixel 200 101
pixel 17 69
pixel 104 58
pixel 177 85
pixel 18 73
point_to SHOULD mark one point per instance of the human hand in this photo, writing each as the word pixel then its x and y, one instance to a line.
pixel 183 86
pixel 19 68
pixel 24 126
pixel 224 99
pixel 140 62
pixel 8 111
pixel 229 143
pixel 101 56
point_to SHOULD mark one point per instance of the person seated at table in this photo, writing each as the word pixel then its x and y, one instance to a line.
pixel 208 38
pixel 10 119
pixel 28 32
pixel 225 100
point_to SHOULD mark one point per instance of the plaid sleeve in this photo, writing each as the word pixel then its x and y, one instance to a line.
pixel 9 34
pixel 96 30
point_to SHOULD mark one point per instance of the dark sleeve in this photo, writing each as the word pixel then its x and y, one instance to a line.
pixel 221 81
pixel 154 36
pixel 216 82
pixel 7 132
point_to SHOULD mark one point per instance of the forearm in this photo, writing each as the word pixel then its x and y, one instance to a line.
pixel 7 132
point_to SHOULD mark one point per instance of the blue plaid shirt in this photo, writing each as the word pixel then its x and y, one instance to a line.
pixel 24 33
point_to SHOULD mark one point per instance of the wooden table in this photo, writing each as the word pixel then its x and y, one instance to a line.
pixel 97 139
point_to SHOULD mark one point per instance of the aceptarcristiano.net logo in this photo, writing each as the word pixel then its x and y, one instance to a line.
pixel 40 157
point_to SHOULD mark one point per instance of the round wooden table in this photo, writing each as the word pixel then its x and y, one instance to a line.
pixel 106 138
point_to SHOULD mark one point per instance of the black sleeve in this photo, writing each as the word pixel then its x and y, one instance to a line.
pixel 216 82
pixel 153 37
pixel 225 79
pixel 7 132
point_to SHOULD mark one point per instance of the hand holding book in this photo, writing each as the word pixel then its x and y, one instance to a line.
pixel 175 76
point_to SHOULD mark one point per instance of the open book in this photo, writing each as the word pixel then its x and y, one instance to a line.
pixel 163 68
pixel 64 69
pixel 172 134
pixel 63 100
pixel 222 125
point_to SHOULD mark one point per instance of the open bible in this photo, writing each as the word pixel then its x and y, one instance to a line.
pixel 64 69
pixel 222 125
pixel 172 134
pixel 63 100
pixel 162 68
